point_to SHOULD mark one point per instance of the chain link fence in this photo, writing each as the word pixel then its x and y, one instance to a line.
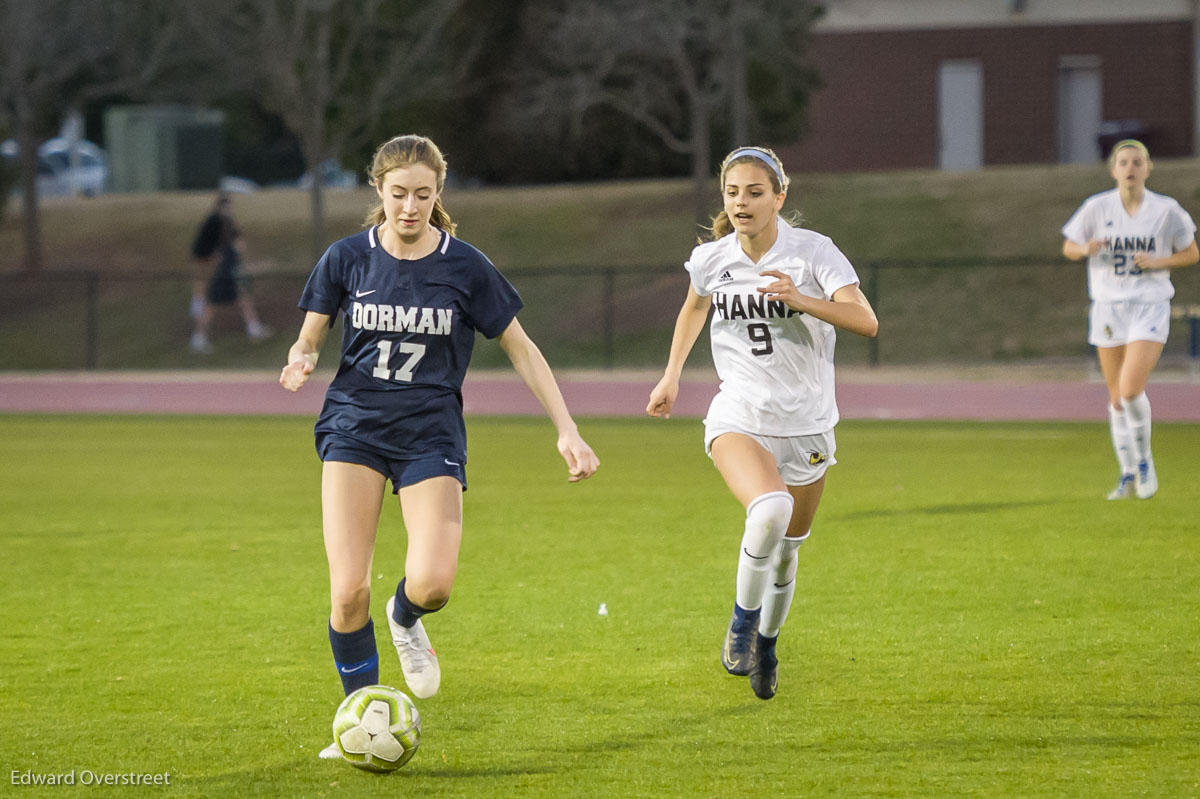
pixel 954 311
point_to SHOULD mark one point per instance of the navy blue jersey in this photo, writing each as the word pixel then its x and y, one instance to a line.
pixel 408 332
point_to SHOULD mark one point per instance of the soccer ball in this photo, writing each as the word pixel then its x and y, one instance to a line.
pixel 377 728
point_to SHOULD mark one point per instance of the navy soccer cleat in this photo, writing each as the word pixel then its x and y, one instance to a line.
pixel 737 655
pixel 764 677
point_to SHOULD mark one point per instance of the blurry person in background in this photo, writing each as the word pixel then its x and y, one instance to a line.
pixel 1132 238
pixel 217 254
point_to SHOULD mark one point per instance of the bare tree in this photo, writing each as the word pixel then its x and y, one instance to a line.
pixel 771 75
pixel 327 68
pixel 55 55
pixel 672 66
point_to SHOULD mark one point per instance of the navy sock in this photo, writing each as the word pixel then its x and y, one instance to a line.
pixel 406 613
pixel 356 657
pixel 745 617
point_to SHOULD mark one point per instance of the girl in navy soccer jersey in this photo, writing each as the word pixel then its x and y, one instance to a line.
pixel 777 292
pixel 1132 238
pixel 412 298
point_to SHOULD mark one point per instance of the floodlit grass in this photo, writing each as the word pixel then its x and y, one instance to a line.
pixel 972 620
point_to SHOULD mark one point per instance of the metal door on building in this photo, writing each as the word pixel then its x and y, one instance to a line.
pixel 1080 109
pixel 960 114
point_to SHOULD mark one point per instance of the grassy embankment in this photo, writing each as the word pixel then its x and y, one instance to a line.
pixel 956 314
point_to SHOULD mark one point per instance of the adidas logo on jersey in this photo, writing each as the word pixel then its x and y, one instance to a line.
pixel 725 277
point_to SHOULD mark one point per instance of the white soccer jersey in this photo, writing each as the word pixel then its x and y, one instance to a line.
pixel 775 364
pixel 1160 227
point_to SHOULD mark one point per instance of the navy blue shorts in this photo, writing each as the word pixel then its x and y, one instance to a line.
pixel 401 471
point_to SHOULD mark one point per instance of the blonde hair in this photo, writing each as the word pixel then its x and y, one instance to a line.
pixel 403 151
pixel 1130 144
pixel 766 160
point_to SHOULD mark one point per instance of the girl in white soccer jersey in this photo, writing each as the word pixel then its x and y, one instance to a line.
pixel 412 298
pixel 1132 239
pixel 777 294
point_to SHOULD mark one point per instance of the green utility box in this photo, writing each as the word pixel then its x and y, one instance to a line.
pixel 164 147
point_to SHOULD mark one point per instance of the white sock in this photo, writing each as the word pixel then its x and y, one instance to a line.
pixel 778 596
pixel 767 520
pixel 1122 440
pixel 1137 416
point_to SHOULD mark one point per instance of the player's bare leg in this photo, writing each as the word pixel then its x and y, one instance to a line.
pixel 1112 360
pixel 255 329
pixel 1140 359
pixel 777 599
pixel 351 498
pixel 753 477
pixel 433 517
pixel 200 343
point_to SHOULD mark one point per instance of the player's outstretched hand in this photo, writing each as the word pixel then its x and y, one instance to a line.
pixel 581 461
pixel 662 398
pixel 296 373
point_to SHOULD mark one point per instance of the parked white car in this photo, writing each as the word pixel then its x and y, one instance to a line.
pixel 61 172
pixel 332 176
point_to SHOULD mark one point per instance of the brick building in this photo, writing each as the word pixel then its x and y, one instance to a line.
pixel 960 84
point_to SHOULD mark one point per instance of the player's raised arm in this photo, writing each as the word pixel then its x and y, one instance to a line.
pixel 531 365
pixel 849 309
pixel 1077 252
pixel 1188 256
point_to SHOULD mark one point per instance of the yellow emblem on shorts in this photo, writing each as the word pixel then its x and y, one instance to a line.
pixel 1107 331
pixel 815 458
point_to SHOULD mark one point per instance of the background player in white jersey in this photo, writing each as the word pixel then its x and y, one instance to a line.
pixel 412 298
pixel 1132 238
pixel 777 293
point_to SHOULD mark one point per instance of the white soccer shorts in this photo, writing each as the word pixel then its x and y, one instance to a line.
pixel 1113 324
pixel 801 460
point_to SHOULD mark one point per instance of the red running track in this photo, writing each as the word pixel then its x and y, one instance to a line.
pixel 587 394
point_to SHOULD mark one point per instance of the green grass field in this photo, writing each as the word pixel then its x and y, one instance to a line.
pixel 972 620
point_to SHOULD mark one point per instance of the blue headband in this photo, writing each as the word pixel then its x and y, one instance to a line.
pixel 760 155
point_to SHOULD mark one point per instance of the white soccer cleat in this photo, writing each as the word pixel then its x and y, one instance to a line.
pixel 257 331
pixel 418 661
pixel 330 752
pixel 200 344
pixel 1124 489
pixel 1147 480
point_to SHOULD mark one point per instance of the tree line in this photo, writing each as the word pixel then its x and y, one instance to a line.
pixel 522 91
